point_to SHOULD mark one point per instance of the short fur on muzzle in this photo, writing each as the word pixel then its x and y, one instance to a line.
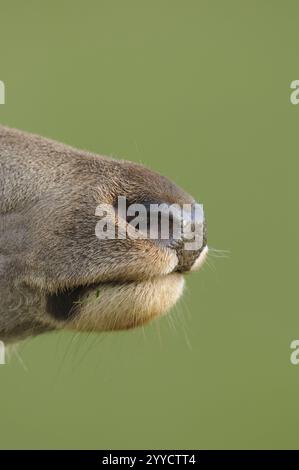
pixel 54 272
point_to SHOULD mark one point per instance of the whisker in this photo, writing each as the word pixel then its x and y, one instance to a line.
pixel 216 253
pixel 181 318
pixel 12 350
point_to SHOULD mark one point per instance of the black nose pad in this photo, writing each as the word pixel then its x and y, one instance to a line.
pixel 186 257
pixel 193 240
pixel 181 228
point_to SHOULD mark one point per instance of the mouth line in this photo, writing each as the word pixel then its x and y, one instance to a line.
pixel 65 304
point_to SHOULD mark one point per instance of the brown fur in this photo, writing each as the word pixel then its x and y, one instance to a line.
pixel 48 195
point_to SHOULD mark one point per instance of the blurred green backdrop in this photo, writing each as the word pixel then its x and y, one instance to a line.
pixel 200 91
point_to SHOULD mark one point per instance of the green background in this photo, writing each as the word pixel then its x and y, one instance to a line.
pixel 199 91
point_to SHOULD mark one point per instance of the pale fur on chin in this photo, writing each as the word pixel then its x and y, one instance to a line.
pixel 52 263
pixel 127 305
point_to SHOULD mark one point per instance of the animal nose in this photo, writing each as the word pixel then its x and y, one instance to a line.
pixel 179 227
pixel 193 241
pixel 188 258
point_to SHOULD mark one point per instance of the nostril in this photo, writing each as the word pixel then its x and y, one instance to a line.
pixel 183 229
pixel 179 227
